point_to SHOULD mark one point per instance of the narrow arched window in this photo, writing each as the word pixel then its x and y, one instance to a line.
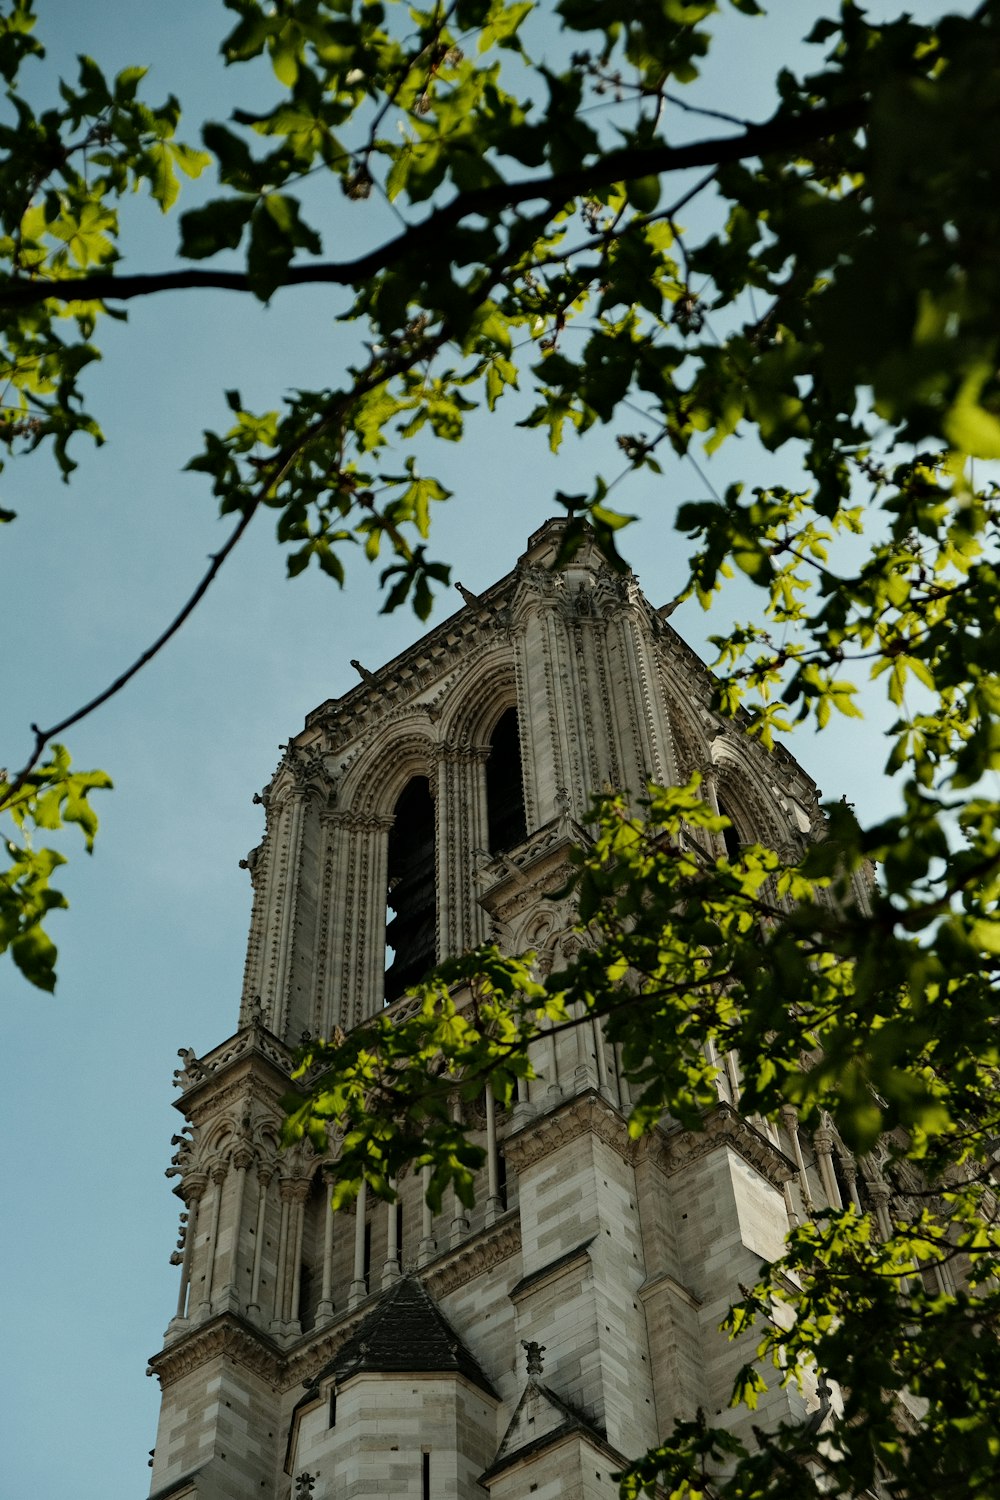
pixel 730 835
pixel 507 824
pixel 411 914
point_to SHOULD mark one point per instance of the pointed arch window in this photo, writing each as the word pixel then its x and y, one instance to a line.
pixel 730 835
pixel 506 820
pixel 411 898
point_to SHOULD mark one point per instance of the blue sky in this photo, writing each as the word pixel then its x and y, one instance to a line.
pixel 151 952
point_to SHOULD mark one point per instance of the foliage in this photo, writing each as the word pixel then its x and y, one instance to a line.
pixel 889 1039
pixel 48 798
pixel 837 291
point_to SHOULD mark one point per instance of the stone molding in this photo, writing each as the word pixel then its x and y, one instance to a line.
pixel 250 1041
pixel 586 1113
pixel 678 1149
pixel 474 1257
pixel 224 1337
pixel 667 1283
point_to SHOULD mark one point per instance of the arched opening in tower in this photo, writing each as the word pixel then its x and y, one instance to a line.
pixel 730 835
pixel 411 903
pixel 507 824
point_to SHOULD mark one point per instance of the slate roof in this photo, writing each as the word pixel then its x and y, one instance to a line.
pixel 569 1419
pixel 406 1332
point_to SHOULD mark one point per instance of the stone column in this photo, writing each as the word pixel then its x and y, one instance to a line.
pixel 278 1309
pixel 358 1290
pixel 428 1244
pixel 219 1174
pixel 264 1175
pixel 790 1116
pixel 823 1141
pixel 879 1192
pixel 849 1167
pixel 242 1159
pixel 192 1191
pixel 390 1269
pixel 603 1085
pixel 298 1190
pixel 585 1075
pixel 733 1077
pixel 326 1309
pixel 624 1093
pixel 459 1222
pixel 553 1091
pixel 494 1206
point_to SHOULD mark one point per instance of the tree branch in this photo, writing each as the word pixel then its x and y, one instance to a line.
pixel 780 134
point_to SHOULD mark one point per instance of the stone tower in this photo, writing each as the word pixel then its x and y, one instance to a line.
pixel 560 1328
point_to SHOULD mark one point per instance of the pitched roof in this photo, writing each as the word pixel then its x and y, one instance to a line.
pixel 542 1418
pixel 406 1331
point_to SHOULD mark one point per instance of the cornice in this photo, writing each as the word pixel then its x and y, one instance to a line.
pixel 539 865
pixel 401 681
pixel 224 1336
pixel 233 1060
pixel 474 1257
pixel 586 1113
pixel 672 1149
pixel 678 1149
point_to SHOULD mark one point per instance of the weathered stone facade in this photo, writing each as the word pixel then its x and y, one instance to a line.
pixel 581 1298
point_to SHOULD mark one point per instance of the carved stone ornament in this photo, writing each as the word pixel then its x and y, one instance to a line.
pixel 678 1149
pixel 224 1337
pixel 474 1257
pixel 546 1133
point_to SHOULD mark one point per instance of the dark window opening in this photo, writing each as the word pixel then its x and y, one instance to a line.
pixel 426 1475
pixel 333 1406
pixel 502 1178
pixel 399 1231
pixel 731 837
pixel 507 824
pixel 305 1311
pixel 368 1256
pixel 411 917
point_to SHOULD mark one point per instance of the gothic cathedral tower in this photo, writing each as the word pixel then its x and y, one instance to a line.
pixel 559 1329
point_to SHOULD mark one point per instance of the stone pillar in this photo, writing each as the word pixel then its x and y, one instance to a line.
pixel 192 1191
pixel 823 1141
pixel 790 1116
pixel 428 1244
pixel 494 1206
pixel 585 1074
pixel 298 1190
pixel 849 1167
pixel 603 1085
pixel 879 1192
pixel 263 1179
pixel 390 1269
pixel 733 1077
pixel 278 1309
pixel 459 1222
pixel 326 1309
pixel 553 1090
pixel 219 1174
pixel 242 1159
pixel 358 1290
pixel 624 1093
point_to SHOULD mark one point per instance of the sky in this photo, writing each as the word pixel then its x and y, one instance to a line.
pixel 151 951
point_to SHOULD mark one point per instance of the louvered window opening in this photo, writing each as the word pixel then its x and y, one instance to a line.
pixel 411 917
pixel 507 824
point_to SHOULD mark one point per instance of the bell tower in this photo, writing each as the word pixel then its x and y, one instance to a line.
pixel 558 1329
